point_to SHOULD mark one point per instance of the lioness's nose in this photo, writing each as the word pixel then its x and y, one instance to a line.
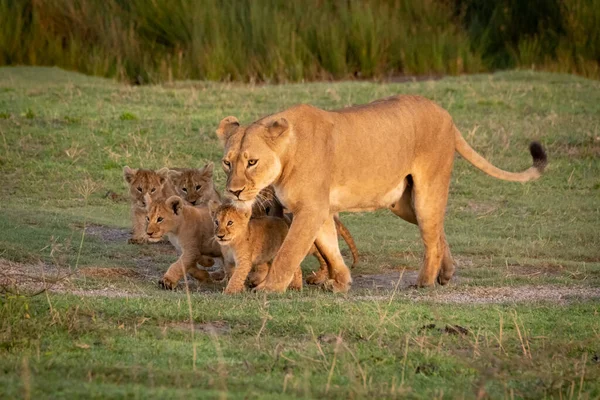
pixel 237 193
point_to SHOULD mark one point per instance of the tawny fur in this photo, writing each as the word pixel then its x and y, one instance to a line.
pixel 192 228
pixel 194 185
pixel 141 182
pixel 247 243
pixel 394 153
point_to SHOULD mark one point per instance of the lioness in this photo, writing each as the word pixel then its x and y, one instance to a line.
pixel 192 227
pixel 142 182
pixel 394 153
pixel 247 242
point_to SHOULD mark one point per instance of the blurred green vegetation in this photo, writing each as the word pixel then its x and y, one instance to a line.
pixel 143 41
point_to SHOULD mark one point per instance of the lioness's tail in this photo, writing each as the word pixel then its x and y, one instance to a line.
pixel 345 234
pixel 534 172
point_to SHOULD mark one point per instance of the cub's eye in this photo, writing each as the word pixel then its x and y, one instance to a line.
pixel 252 163
pixel 216 223
pixel 159 220
pixel 139 189
pixel 147 219
pixel 229 223
pixel 152 190
pixel 198 187
pixel 184 190
pixel 226 163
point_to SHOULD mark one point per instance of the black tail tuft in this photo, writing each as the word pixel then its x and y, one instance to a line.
pixel 540 160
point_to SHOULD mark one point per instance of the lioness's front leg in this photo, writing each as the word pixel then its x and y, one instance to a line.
pixel 296 245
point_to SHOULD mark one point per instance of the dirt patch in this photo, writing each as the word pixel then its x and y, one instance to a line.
pixel 108 272
pixel 108 234
pixel 210 328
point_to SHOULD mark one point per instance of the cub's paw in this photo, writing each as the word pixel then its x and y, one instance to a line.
pixel 332 285
pixel 166 284
pixel 316 278
pixel 217 276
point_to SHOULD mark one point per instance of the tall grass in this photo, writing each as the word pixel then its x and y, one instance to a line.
pixel 284 40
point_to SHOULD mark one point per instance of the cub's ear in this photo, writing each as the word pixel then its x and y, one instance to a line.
pixel 163 173
pixel 128 173
pixel 208 169
pixel 172 174
pixel 213 206
pixel 278 128
pixel 227 126
pixel 147 201
pixel 175 204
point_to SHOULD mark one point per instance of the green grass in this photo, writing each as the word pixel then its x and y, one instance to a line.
pixel 65 137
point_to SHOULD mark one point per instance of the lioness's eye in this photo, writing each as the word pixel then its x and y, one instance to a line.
pixel 229 223
pixel 226 163
pixel 139 189
pixel 153 190
pixel 198 187
pixel 184 189
pixel 252 162
pixel 159 219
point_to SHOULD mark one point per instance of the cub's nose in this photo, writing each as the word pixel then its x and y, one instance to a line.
pixel 149 233
pixel 236 193
pixel 220 237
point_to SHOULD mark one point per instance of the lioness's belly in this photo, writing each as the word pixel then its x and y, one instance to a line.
pixel 365 198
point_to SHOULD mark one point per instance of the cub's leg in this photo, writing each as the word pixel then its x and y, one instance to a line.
pixel 258 274
pixel 322 274
pixel 199 274
pixel 347 236
pixel 138 222
pixel 430 198
pixel 237 280
pixel 176 271
pixel 340 279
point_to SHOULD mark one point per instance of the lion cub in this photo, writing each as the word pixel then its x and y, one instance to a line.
pixel 247 242
pixel 193 229
pixel 144 182
pixel 195 185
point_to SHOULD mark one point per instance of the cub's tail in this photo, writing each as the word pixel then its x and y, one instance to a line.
pixel 345 234
pixel 537 152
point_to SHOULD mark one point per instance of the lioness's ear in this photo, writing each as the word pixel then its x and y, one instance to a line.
pixel 208 169
pixel 226 127
pixel 172 174
pixel 278 127
pixel 128 173
pixel 148 201
pixel 175 204
pixel 163 173
pixel 213 206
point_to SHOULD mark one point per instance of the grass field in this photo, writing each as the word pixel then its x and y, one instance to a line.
pixel 520 319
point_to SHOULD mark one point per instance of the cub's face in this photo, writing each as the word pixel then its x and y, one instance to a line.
pixel 194 185
pixel 230 222
pixel 142 182
pixel 163 217
pixel 251 157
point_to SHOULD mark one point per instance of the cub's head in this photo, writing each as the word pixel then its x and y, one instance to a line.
pixel 163 216
pixel 144 181
pixel 230 221
pixel 194 185
pixel 252 155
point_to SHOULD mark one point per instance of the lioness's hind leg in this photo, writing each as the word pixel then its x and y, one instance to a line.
pixel 448 268
pixel 430 198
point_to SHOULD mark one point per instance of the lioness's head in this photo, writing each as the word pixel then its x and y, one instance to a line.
pixel 253 154
pixel 230 221
pixel 163 216
pixel 144 181
pixel 194 185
